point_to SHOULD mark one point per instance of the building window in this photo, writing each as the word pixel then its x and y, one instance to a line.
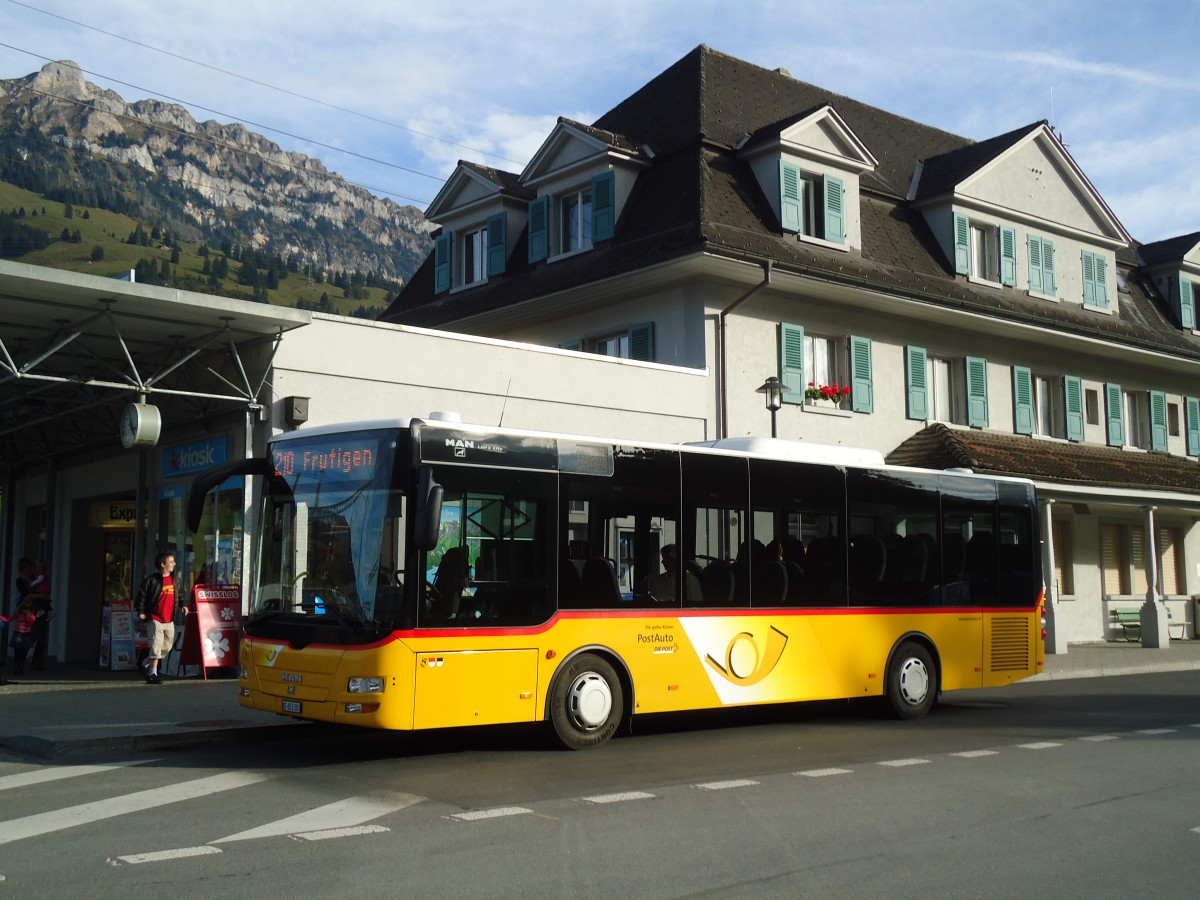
pixel 811 204
pixel 1124 557
pixel 474 256
pixel 1041 266
pixel 1173 419
pixel 823 360
pixel 1092 401
pixel 1137 419
pixel 636 343
pixel 1048 416
pixel 947 391
pixel 1095 280
pixel 985 251
pixel 1172 581
pixel 575 221
pixel 1064 558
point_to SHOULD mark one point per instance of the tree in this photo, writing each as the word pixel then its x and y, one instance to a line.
pixel 97 253
pixel 175 255
pixel 65 237
pixel 68 211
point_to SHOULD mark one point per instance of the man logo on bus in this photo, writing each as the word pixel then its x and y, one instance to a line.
pixel 744 664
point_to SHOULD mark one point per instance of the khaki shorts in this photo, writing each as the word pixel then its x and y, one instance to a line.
pixel 162 637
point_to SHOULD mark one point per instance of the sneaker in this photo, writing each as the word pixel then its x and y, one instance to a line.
pixel 152 678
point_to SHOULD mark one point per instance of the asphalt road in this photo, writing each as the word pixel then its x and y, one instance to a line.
pixel 1086 788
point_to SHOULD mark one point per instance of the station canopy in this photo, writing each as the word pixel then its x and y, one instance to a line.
pixel 76 350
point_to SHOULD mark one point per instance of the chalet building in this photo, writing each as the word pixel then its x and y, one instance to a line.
pixel 982 302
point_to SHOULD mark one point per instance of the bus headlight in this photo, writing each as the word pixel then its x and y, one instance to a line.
pixel 369 685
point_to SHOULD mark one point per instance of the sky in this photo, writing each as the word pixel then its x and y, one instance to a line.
pixel 392 93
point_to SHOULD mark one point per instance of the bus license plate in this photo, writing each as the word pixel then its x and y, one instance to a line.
pixel 292 706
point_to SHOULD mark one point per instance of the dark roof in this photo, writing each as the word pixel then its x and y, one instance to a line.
pixel 615 141
pixel 508 182
pixel 696 195
pixel 943 172
pixel 1169 250
pixel 940 447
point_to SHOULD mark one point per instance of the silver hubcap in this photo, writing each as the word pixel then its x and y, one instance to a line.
pixel 589 701
pixel 914 681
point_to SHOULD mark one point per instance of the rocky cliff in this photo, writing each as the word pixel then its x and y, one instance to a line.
pixel 202 179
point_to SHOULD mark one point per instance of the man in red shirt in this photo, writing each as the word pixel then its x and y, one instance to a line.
pixel 156 602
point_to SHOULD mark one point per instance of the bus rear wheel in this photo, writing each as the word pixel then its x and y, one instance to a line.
pixel 911 681
pixel 587 702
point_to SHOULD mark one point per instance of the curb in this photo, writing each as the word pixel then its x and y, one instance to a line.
pixel 1107 671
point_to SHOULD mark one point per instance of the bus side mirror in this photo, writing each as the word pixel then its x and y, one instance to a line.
pixel 429 510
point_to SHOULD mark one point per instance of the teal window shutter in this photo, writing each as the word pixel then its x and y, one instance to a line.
pixel 1073 401
pixel 789 197
pixel 1158 421
pixel 1089 279
pixel 539 229
pixel 1116 421
pixel 1035 263
pixel 641 341
pixel 441 262
pixel 1192 414
pixel 962 245
pixel 977 399
pixel 1101 265
pixel 1048 266
pixel 916 374
pixel 1186 303
pixel 791 362
pixel 1022 400
pixel 604 206
pixel 862 398
pixel 1008 256
pixel 497 234
pixel 835 214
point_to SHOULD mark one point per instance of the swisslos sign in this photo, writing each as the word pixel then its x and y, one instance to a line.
pixel 187 459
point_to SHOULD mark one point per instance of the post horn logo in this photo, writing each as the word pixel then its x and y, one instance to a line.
pixel 745 664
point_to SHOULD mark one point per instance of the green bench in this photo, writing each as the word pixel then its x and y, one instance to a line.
pixel 1130 621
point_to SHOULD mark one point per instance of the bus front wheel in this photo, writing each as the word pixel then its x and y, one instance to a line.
pixel 586 702
pixel 911 681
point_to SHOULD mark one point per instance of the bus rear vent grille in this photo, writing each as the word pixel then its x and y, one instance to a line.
pixel 1010 644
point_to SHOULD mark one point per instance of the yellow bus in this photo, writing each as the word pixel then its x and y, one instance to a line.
pixel 418 574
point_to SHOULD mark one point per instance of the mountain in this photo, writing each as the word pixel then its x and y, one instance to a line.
pixel 204 183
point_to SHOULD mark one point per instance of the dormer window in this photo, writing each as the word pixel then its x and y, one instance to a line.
pixel 572 220
pixel 471 256
pixel 812 204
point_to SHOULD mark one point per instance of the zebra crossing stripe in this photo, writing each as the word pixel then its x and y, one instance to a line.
pixel 975 754
pixel 620 798
pixel 123 804
pixel 822 773
pixel 347 813
pixel 723 785
pixel 137 859
pixel 901 763
pixel 478 814
pixel 41 776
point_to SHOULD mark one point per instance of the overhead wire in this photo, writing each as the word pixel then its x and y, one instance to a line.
pixel 267 85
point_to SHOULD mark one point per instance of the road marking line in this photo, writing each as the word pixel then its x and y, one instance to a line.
pixel 1101 737
pixel 42 776
pixel 975 754
pixel 338 832
pixel 620 798
pixel 342 814
pixel 722 785
pixel 163 855
pixel 1197 830
pixel 1156 731
pixel 1039 745
pixel 138 802
pixel 900 763
pixel 821 773
pixel 490 813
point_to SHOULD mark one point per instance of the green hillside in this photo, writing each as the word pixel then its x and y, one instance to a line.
pixel 96 241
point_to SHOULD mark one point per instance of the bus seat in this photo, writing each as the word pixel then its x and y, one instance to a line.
pixel 793 550
pixel 570 585
pixel 450 580
pixel 795 583
pixel 600 586
pixel 769 586
pixel 954 557
pixel 868 561
pixel 716 583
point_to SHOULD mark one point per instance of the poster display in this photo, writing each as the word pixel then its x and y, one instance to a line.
pixel 212 631
pixel 118 651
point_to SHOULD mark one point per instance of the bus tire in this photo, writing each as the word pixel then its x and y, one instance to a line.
pixel 587 702
pixel 911 681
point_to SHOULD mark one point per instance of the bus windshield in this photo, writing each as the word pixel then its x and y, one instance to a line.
pixel 333 546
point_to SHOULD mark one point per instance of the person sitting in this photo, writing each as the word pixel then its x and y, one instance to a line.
pixel 664 586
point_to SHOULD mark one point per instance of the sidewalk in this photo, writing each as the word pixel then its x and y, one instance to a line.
pixel 74 710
